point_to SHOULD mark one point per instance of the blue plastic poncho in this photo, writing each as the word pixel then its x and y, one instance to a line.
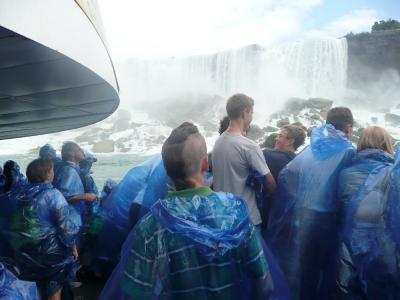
pixel 86 173
pixel 13 178
pixel 142 185
pixel 48 152
pixel 68 181
pixel 217 227
pixel 13 289
pixel 368 258
pixel 353 177
pixel 109 185
pixel 41 228
pixel 89 184
pixel 304 212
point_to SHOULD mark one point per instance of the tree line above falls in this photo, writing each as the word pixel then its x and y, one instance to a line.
pixel 378 26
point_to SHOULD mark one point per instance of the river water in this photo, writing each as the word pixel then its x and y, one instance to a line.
pixel 113 166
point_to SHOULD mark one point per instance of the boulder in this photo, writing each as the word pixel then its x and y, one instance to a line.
pixel 270 129
pixel 254 132
pixel 319 103
pixel 105 146
pixel 294 105
pixel 392 119
pixel 282 122
pixel 316 117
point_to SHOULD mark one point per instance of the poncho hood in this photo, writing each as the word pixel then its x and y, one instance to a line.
pixel 327 141
pixel 216 223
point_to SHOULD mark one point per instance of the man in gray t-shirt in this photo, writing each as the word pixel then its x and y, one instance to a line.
pixel 234 156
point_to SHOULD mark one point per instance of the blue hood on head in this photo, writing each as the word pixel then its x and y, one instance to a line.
pixel 327 141
pixel 215 223
pixel 374 155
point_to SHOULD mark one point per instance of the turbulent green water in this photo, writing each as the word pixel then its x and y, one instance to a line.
pixel 113 166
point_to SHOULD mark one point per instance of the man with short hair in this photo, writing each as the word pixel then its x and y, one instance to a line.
pixel 196 243
pixel 303 223
pixel 67 179
pixel 288 140
pixel 234 156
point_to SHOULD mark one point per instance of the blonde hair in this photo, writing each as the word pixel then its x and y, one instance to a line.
pixel 375 138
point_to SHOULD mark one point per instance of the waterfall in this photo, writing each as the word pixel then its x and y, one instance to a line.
pixel 311 68
pixel 320 65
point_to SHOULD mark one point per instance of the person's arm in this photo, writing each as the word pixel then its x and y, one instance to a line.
pixel 84 197
pixel 75 252
pixel 270 183
pixel 257 162
pixel 69 183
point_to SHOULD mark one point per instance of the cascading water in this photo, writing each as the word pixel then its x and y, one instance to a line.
pixel 320 65
pixel 312 68
pixel 195 88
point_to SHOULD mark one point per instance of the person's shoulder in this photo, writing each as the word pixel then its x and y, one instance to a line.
pixel 148 226
pixel 66 168
pixel 281 154
pixel 227 196
pixel 54 194
pixel 247 144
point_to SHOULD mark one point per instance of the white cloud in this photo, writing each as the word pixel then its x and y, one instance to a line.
pixel 156 28
pixel 356 21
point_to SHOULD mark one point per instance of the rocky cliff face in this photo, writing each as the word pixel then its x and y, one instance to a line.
pixel 372 57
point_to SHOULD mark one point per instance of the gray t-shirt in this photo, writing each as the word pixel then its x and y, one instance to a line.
pixel 233 158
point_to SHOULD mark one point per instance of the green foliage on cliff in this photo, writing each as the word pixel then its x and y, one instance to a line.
pixel 378 26
pixel 385 25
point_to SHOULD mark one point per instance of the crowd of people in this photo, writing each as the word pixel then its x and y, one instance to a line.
pixel 239 222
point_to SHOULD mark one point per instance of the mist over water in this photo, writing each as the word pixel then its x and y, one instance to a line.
pixel 311 68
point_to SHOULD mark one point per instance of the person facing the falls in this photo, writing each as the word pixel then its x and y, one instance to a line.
pixel 234 156
pixel 13 178
pixel 47 151
pixel 195 243
pixel 67 179
pixel 367 264
pixel 374 148
pixel 302 228
pixel 42 230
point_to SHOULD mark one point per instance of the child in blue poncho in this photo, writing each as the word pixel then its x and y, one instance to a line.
pixel 195 243
pixel 42 230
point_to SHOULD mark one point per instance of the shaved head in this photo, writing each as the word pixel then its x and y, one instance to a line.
pixel 182 154
pixel 193 152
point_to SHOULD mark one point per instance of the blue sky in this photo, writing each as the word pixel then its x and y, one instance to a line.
pixel 328 11
pixel 159 28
